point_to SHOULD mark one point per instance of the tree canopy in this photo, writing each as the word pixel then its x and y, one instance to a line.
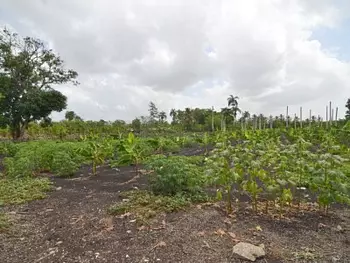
pixel 28 70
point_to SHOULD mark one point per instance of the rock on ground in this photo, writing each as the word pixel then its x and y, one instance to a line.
pixel 248 251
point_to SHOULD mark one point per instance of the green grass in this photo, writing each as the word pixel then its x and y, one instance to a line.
pixel 145 205
pixel 4 222
pixel 22 190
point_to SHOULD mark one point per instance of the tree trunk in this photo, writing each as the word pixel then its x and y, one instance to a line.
pixel 18 130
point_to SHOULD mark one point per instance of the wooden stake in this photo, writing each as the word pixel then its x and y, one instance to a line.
pixel 326 116
pixel 330 113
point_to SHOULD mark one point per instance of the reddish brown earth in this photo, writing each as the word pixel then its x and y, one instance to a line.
pixel 72 225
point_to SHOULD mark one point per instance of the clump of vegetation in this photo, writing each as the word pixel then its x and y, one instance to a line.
pixel 18 191
pixel 96 152
pixel 4 222
pixel 63 165
pixel 131 151
pixel 145 205
pixel 33 158
pixel 175 175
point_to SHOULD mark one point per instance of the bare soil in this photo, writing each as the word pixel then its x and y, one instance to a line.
pixel 72 225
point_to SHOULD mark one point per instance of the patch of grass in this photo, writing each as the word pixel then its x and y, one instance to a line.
pixel 145 205
pixel 4 222
pixel 21 190
pixel 305 254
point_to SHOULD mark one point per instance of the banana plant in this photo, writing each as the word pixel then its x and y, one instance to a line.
pixel 130 151
pixel 96 152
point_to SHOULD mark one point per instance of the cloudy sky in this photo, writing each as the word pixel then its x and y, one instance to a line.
pixel 194 53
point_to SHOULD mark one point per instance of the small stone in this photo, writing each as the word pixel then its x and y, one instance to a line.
pixel 58 188
pixel 339 228
pixel 59 243
pixel 128 231
pixel 126 200
pixel 321 225
pixel 335 259
pixel 248 251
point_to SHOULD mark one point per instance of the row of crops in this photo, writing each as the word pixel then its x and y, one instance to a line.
pixel 275 167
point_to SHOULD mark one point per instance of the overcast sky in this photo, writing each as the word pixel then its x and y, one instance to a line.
pixel 194 53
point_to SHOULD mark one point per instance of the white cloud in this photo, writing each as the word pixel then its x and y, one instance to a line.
pixel 190 53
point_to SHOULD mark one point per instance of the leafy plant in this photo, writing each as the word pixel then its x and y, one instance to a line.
pixel 174 175
pixel 96 152
pixel 64 165
pixel 223 171
pixel 130 151
pixel 19 167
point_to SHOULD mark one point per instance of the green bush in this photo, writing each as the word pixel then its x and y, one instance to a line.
pixel 8 148
pixel 45 156
pixel 175 175
pixel 18 167
pixel 63 165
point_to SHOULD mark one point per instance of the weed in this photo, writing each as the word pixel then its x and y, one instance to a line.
pixel 145 205
pixel 4 222
pixel 18 191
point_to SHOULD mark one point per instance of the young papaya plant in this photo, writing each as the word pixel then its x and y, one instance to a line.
pixel 223 172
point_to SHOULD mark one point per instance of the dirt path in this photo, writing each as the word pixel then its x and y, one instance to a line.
pixel 72 225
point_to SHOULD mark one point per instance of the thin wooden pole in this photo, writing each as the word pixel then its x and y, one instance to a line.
pixel 326 116
pixel 301 117
pixel 330 113
pixel 287 118
pixel 336 114
pixel 310 118
pixel 212 119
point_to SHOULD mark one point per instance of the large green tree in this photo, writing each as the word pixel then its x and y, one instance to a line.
pixel 28 70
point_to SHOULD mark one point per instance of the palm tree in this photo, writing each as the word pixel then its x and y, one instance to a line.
pixel 233 102
pixel 246 115
pixel 162 116
pixel 173 115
